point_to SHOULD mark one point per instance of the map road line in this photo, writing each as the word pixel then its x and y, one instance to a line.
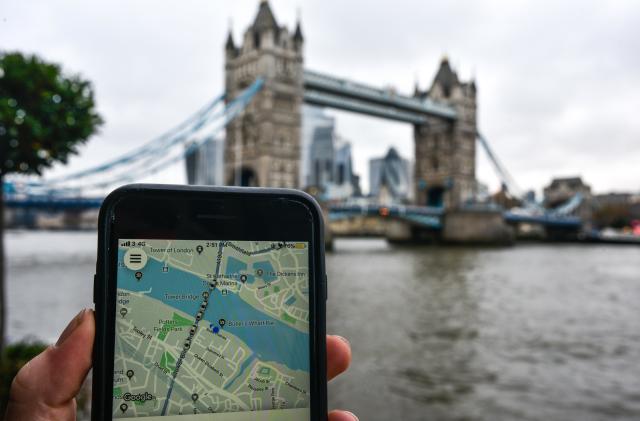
pixel 197 321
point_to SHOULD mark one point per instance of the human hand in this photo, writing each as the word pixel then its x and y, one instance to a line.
pixel 45 388
pixel 338 360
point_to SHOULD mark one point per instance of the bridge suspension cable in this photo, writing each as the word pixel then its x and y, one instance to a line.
pixel 228 114
pixel 153 156
pixel 530 207
pixel 153 146
pixel 505 177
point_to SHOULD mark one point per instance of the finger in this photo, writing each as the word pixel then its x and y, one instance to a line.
pixel 54 377
pixel 342 416
pixel 338 355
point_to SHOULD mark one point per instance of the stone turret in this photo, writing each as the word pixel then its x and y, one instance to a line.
pixel 263 144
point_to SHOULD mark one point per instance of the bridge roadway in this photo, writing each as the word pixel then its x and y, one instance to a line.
pixel 423 216
pixel 52 203
pixel 431 217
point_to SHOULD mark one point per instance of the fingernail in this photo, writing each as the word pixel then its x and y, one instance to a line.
pixel 73 324
pixel 343 339
pixel 352 415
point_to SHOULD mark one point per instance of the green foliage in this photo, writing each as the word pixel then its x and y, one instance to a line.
pixel 13 358
pixel 44 115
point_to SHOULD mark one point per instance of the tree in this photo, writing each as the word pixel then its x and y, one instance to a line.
pixel 44 116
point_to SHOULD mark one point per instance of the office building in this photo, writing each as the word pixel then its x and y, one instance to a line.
pixel 205 165
pixel 326 158
pixel 390 176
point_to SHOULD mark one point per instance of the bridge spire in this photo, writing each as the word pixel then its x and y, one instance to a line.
pixel 297 36
pixel 230 45
pixel 265 18
pixel 446 77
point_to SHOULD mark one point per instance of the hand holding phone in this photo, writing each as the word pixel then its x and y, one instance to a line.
pixel 210 305
pixel 54 400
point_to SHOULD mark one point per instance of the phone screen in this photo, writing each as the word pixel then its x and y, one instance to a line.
pixel 215 329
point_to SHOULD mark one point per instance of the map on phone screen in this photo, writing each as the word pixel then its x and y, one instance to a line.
pixel 214 326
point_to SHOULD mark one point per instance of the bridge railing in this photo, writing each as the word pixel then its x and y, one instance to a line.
pixel 421 216
pixel 391 210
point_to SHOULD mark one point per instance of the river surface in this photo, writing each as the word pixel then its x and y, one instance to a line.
pixel 533 332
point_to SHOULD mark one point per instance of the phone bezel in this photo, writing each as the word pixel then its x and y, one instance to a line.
pixel 146 211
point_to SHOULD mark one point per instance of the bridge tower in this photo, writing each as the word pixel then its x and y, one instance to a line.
pixel 445 150
pixel 263 144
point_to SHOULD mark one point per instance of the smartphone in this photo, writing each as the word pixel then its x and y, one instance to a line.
pixel 210 305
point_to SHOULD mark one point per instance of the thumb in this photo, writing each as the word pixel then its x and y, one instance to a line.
pixel 50 381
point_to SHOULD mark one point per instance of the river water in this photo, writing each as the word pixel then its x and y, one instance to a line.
pixel 533 332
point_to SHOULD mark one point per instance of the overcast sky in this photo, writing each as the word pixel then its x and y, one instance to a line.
pixel 558 82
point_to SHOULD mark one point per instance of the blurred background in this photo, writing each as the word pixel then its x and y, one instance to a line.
pixel 476 163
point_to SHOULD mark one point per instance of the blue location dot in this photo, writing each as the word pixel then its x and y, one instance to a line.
pixel 216 329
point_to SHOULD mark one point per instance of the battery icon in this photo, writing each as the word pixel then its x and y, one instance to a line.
pixel 301 245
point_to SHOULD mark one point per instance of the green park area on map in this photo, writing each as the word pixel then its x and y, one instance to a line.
pixel 211 326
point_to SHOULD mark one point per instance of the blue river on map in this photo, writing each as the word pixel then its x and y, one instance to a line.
pixel 278 343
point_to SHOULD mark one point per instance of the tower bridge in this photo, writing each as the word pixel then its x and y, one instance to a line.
pixel 263 144
pixel 266 86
